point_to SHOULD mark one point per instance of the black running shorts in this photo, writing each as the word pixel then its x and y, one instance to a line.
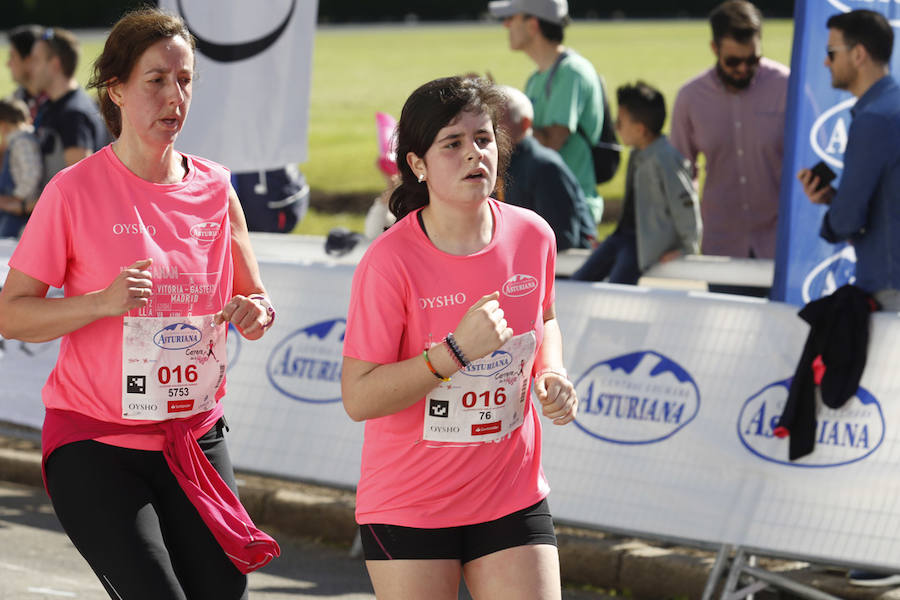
pixel 532 525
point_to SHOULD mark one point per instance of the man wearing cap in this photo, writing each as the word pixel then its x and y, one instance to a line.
pixel 733 113
pixel 565 90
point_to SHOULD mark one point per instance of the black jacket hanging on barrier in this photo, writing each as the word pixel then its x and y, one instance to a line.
pixel 833 358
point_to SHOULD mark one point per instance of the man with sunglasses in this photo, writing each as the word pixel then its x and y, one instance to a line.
pixel 69 127
pixel 733 114
pixel 865 208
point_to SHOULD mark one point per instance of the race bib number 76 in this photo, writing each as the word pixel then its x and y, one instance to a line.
pixel 485 401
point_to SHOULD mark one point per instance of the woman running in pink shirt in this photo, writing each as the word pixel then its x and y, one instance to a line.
pixel 151 248
pixel 451 482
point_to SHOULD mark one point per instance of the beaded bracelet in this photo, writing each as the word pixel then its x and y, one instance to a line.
pixel 431 366
pixel 270 310
pixel 457 353
pixel 453 355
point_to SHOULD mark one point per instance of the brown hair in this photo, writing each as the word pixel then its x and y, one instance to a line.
pixel 736 19
pixel 430 108
pixel 62 44
pixel 13 110
pixel 128 40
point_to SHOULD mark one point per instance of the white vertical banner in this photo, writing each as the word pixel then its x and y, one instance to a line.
pixel 250 107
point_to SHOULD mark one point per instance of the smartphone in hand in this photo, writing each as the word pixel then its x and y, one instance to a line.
pixel 824 173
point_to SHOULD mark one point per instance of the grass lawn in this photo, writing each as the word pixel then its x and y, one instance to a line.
pixel 350 82
pixel 358 70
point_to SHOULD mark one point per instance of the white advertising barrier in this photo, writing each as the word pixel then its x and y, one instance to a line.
pixel 284 391
pixel 23 367
pixel 679 395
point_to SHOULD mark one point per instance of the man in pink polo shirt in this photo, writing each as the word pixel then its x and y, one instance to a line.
pixel 733 113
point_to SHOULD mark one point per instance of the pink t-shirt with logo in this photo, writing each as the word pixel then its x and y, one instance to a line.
pixel 95 219
pixel 406 295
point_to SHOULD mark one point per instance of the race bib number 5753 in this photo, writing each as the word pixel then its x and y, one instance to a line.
pixel 171 366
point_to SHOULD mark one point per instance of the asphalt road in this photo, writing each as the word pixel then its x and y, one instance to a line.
pixel 38 562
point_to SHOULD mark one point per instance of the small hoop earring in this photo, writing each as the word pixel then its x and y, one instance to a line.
pixel 421 177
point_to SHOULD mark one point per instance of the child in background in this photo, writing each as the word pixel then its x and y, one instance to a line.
pixel 340 240
pixel 379 217
pixel 660 212
pixel 21 169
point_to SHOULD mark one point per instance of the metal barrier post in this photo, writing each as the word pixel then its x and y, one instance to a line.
pixel 716 573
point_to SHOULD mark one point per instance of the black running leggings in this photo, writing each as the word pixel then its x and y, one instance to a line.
pixel 126 514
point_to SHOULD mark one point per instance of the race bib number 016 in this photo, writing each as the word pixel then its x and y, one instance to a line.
pixel 171 366
pixel 485 401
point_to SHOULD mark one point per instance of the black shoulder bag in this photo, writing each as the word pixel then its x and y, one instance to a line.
pixel 606 153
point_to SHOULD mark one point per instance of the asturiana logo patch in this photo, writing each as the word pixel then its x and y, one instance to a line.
pixel 638 398
pixel 177 336
pixel 306 365
pixel 520 285
pixel 489 365
pixel 843 436
pixel 206 232
pixel 830 274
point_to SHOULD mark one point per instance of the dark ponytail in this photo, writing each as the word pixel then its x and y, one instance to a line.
pixel 429 109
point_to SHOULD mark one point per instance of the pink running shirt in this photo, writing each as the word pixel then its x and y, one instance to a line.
pixel 96 218
pixel 408 294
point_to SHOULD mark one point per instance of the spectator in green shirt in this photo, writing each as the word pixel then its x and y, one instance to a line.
pixel 564 90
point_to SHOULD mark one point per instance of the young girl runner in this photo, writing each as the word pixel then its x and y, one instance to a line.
pixel 451 317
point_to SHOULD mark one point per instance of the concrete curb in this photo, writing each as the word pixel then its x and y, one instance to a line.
pixel 21 467
pixel 647 570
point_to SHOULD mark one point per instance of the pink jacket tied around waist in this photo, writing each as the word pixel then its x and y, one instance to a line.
pixel 227 519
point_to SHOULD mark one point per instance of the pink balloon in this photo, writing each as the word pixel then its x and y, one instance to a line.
pixel 385 126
